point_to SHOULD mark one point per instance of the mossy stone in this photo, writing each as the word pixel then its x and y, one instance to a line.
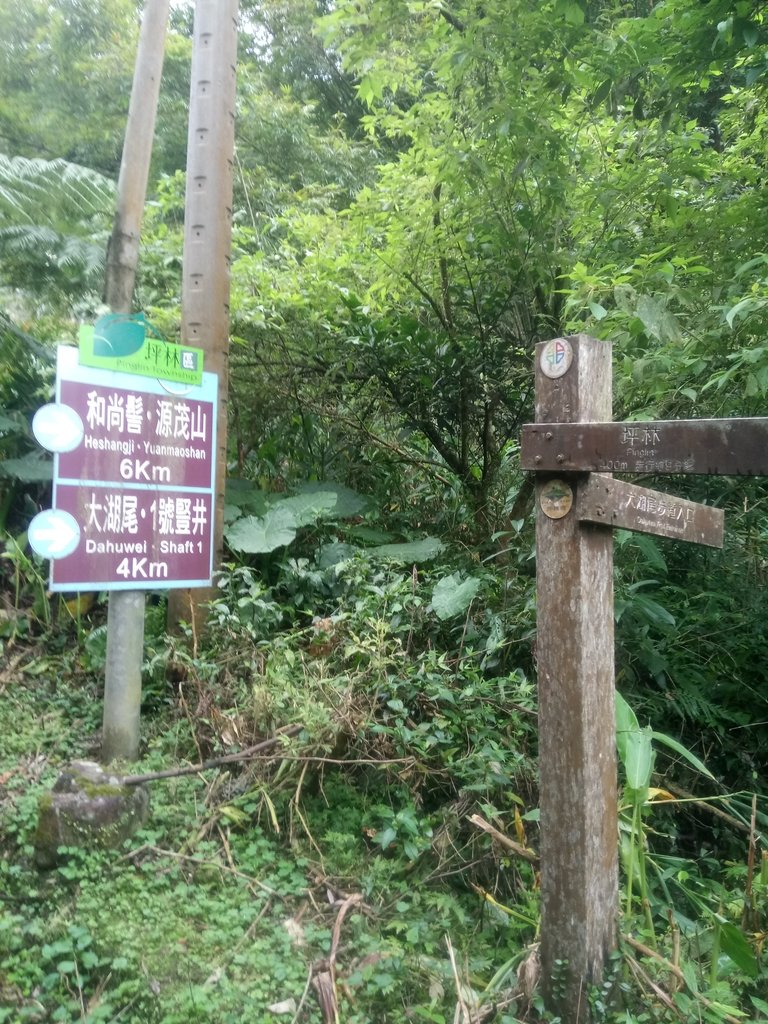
pixel 88 808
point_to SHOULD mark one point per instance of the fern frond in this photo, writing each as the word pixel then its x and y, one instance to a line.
pixel 47 190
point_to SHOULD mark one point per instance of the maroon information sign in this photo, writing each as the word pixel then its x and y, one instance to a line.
pixel 134 436
pixel 139 538
pixel 133 499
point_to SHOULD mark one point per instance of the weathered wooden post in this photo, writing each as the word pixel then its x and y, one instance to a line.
pixel 579 883
pixel 574 447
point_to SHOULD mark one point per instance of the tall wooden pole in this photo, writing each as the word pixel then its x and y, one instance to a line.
pixel 125 621
pixel 208 234
pixel 579 880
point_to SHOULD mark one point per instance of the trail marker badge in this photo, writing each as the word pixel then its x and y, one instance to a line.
pixel 556 499
pixel 556 358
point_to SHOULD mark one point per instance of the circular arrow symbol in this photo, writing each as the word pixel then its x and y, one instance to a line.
pixel 53 533
pixel 58 428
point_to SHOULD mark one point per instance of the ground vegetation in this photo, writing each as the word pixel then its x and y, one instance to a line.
pixel 423 191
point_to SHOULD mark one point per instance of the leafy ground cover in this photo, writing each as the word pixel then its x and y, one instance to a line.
pixel 340 872
pixel 377 865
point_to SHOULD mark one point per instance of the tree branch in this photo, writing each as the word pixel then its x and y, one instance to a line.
pixel 452 20
pixel 215 762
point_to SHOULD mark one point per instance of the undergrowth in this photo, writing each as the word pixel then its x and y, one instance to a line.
pixel 379 863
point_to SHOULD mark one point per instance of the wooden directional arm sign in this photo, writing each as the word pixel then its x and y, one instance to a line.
pixel 618 503
pixel 729 447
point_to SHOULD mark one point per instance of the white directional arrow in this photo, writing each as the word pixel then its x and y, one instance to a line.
pixel 58 427
pixel 53 533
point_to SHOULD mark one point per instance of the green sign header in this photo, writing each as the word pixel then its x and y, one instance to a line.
pixel 122 343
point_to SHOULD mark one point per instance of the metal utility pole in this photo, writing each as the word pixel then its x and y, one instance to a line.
pixel 208 235
pixel 125 623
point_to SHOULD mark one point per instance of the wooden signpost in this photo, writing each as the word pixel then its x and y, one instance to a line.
pixel 573 448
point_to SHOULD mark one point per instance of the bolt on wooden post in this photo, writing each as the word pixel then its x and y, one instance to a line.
pixel 579 859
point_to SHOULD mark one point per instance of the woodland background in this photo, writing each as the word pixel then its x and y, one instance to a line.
pixel 423 190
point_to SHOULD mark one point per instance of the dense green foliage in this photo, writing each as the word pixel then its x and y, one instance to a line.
pixel 423 191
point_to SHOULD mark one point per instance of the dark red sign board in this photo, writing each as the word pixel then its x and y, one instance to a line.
pixel 150 538
pixel 140 437
pixel 139 482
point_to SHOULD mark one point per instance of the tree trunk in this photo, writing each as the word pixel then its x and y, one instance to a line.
pixel 125 625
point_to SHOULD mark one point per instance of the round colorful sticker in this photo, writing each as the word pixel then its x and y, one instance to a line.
pixel 556 358
pixel 556 499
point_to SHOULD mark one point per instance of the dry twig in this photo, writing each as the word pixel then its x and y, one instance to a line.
pixel 706 805
pixel 505 841
pixel 344 909
pixel 215 762
pixel 677 972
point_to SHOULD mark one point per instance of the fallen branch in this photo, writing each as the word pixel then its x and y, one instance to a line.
pixel 678 973
pixel 706 805
pixel 215 762
pixel 505 841
pixel 344 909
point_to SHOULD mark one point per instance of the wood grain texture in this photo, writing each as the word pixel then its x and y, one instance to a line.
pixel 578 789
pixel 725 447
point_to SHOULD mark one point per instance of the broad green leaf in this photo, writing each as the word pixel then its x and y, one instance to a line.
pixel 31 469
pixel 735 945
pixel 657 319
pixel 332 554
pixel 348 502
pixel 633 744
pixel 308 508
pixel 638 759
pixel 385 837
pixel 625 297
pixel 245 496
pixel 743 308
pixel 416 551
pixel 571 11
pixel 751 34
pixel 626 722
pixel 724 1010
pixel 452 595
pixel 673 744
pixel 756 261
pixel 653 610
pixel 258 535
